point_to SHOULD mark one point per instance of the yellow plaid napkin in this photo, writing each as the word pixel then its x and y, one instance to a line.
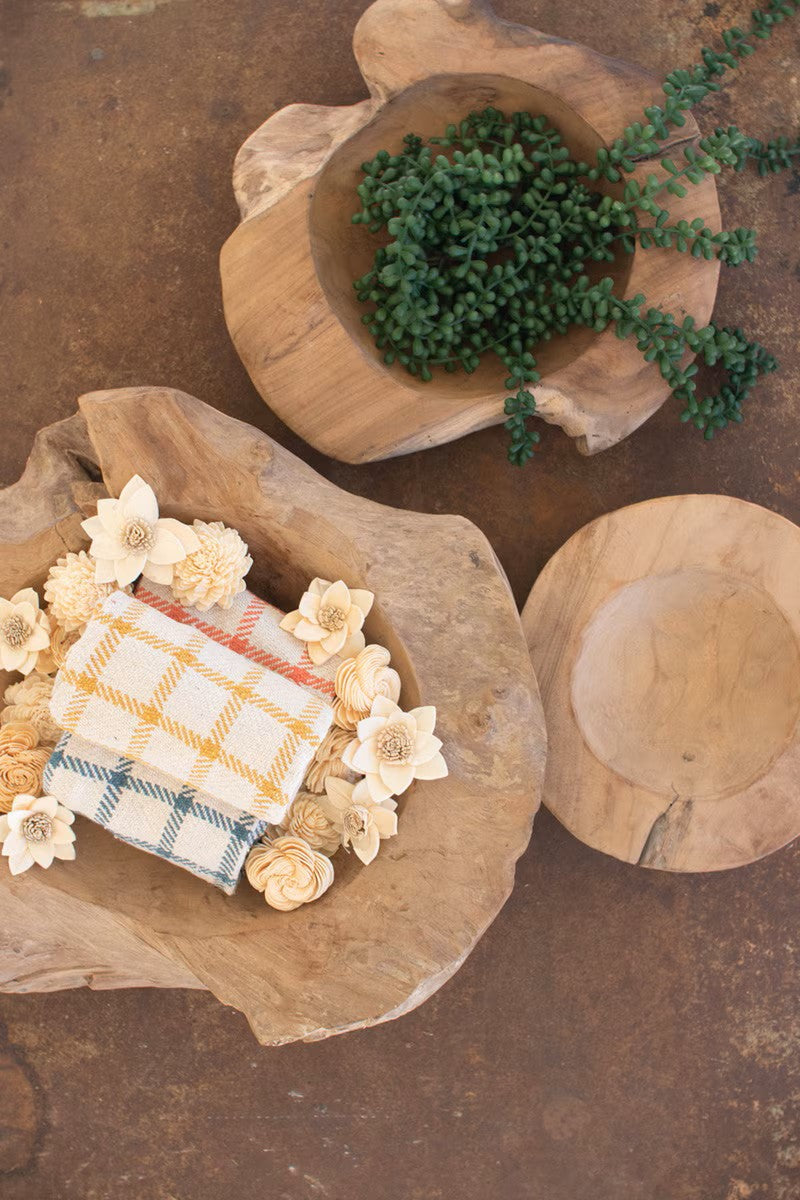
pixel 164 694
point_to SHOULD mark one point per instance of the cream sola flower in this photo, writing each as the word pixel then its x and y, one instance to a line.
pixel 306 819
pixel 130 539
pixel 288 872
pixel 358 681
pixel 22 762
pixel 72 592
pixel 330 619
pixel 61 642
pixel 359 821
pixel 392 748
pixel 29 701
pixel 214 573
pixel 36 830
pixel 24 632
pixel 328 760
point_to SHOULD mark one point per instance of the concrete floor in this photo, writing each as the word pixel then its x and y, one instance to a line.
pixel 618 1034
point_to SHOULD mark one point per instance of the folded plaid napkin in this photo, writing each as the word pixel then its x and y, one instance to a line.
pixel 164 694
pixel 250 627
pixel 141 806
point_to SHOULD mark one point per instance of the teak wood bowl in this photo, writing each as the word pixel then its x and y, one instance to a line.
pixel 288 269
pixel 384 937
pixel 666 641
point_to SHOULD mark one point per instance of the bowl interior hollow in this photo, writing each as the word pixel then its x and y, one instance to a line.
pixel 343 252
pixel 143 887
pixel 688 683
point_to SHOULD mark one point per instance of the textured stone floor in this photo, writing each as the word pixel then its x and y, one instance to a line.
pixel 617 1034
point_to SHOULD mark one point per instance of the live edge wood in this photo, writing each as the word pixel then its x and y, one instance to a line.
pixel 666 640
pixel 287 270
pixel 383 938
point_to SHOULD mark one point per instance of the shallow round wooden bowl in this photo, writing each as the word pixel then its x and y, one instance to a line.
pixel 288 270
pixel 384 937
pixel 666 639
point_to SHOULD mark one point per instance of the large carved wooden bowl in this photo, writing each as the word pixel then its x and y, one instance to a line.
pixel 288 270
pixel 383 938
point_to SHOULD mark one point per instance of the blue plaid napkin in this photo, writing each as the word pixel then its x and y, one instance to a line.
pixel 141 806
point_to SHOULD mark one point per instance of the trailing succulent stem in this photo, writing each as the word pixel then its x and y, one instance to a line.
pixel 493 226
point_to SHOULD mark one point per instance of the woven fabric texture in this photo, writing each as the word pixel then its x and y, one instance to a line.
pixel 141 806
pixel 164 694
pixel 250 627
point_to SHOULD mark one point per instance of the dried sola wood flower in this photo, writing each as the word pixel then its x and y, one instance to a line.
pixel 392 748
pixel 29 701
pixel 36 830
pixel 72 593
pixel 306 819
pixel 24 632
pixel 330 619
pixel 360 822
pixel 130 539
pixel 214 573
pixel 327 760
pixel 22 762
pixel 358 681
pixel 288 872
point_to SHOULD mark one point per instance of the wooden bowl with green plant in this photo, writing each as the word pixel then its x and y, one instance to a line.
pixel 510 227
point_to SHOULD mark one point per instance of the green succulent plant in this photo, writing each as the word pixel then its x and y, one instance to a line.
pixel 494 225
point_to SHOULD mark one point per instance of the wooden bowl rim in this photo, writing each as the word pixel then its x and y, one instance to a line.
pixel 630 271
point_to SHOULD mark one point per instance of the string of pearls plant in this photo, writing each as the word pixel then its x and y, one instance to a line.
pixel 491 241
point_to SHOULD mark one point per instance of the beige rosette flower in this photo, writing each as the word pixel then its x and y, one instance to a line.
pixel 72 593
pixel 288 872
pixel 130 539
pixel 329 619
pixel 359 680
pixel 29 701
pixel 392 748
pixel 36 830
pixel 61 642
pixel 24 632
pixel 214 573
pixel 22 762
pixel 305 819
pixel 361 822
pixel 327 760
